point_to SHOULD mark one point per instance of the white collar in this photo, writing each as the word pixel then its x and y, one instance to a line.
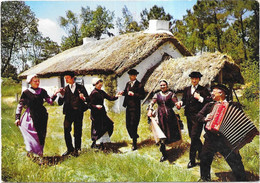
pixel 195 86
pixel 72 85
pixel 133 81
pixel 166 93
pixel 32 90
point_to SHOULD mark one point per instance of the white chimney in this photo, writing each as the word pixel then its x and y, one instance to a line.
pixel 158 26
pixel 88 40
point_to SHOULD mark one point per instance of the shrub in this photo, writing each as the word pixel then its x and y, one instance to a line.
pixel 250 71
pixel 10 87
pixel 110 85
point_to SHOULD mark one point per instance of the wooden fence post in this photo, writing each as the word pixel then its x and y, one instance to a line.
pixel 17 97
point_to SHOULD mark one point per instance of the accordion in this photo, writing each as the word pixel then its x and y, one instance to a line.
pixel 233 124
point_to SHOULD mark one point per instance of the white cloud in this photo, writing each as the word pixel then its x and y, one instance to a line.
pixel 51 29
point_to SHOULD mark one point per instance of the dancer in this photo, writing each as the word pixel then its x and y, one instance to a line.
pixel 33 123
pixel 134 93
pixel 102 126
pixel 75 99
pixel 167 119
pixel 194 98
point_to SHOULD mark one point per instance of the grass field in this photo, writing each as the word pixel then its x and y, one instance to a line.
pixel 117 163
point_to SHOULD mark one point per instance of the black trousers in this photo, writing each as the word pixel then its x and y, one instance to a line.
pixel 195 129
pixel 213 144
pixel 75 117
pixel 132 122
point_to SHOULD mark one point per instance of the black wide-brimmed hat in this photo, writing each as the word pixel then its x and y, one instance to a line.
pixel 132 72
pixel 221 87
pixel 70 73
pixel 195 75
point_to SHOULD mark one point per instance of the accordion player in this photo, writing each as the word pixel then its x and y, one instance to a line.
pixel 227 130
pixel 231 122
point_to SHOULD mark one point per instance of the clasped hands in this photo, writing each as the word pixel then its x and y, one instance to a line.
pixel 178 105
pixel 119 94
pixel 62 92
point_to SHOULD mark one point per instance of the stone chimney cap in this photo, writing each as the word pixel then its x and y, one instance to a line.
pixel 158 26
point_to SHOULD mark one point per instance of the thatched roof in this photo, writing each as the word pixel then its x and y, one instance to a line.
pixel 215 67
pixel 114 55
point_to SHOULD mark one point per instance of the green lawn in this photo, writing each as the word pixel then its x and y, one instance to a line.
pixel 117 163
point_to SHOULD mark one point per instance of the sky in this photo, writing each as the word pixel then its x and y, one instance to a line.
pixel 48 12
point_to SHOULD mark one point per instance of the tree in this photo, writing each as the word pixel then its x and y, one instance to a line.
pixel 154 13
pixel 50 48
pixel 239 10
pixel 216 23
pixel 187 31
pixel 233 44
pixel 11 72
pixel 127 23
pixel 42 48
pixel 70 24
pixel 96 23
pixel 18 22
pixel 202 17
pixel 253 32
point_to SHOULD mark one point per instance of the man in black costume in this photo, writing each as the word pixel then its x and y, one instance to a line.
pixel 194 98
pixel 134 93
pixel 75 98
pixel 215 142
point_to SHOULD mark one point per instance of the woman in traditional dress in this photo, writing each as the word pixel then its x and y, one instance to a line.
pixel 33 123
pixel 102 125
pixel 167 120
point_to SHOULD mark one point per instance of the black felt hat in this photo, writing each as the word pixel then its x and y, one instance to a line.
pixel 195 75
pixel 221 87
pixel 133 72
pixel 70 73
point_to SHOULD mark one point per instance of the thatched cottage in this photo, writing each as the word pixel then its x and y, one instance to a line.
pixel 215 68
pixel 110 59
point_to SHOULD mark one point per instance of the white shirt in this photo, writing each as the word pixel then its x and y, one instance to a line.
pixel 193 88
pixel 132 83
pixel 72 87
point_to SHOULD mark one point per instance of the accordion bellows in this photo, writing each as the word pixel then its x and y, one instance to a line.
pixel 233 124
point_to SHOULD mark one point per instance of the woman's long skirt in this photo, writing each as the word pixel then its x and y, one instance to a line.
pixel 31 139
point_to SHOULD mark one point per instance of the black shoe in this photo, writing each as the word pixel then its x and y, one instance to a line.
pixel 204 179
pixel 163 158
pixel 101 146
pixel 134 147
pixel 94 145
pixel 67 153
pixel 191 164
pixel 75 153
